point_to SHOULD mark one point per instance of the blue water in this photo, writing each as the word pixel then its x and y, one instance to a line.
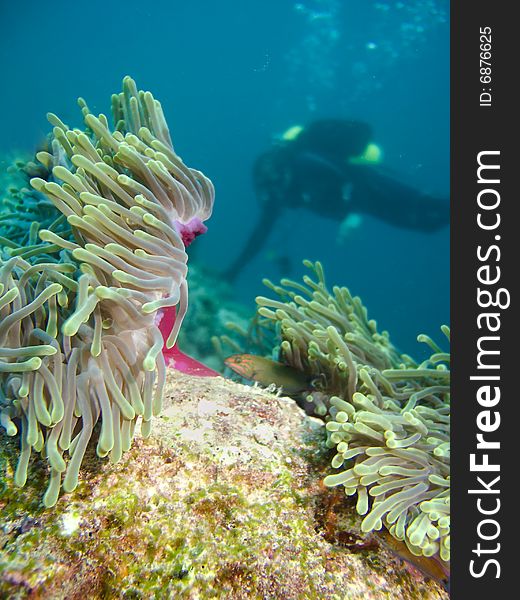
pixel 230 76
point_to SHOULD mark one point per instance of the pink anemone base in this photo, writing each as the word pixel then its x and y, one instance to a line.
pixel 173 357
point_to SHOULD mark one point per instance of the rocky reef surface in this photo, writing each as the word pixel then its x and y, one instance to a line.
pixel 224 500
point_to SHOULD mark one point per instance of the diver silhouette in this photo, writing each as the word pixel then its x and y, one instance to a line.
pixel 330 168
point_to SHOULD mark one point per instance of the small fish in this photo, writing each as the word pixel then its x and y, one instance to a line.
pixel 266 371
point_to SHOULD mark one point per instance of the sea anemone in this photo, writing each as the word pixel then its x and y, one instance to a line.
pixel 387 417
pixel 79 336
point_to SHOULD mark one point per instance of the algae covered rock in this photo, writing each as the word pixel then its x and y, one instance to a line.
pixel 224 500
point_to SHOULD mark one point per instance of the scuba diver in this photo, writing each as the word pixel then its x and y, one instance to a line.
pixel 331 168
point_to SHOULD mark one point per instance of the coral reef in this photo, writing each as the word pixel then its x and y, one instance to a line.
pixel 387 417
pixel 80 300
pixel 223 500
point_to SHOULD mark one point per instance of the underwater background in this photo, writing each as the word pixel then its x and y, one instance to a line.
pixel 233 75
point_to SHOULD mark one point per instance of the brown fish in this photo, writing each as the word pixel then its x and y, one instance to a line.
pixel 266 371
pixel 432 567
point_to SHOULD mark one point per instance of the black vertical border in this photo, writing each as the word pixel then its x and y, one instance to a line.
pixel 475 129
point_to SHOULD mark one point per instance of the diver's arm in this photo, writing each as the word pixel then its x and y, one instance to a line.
pixel 396 203
pixel 270 212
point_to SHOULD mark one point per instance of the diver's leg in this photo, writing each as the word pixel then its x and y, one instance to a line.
pixel 261 231
pixel 396 203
